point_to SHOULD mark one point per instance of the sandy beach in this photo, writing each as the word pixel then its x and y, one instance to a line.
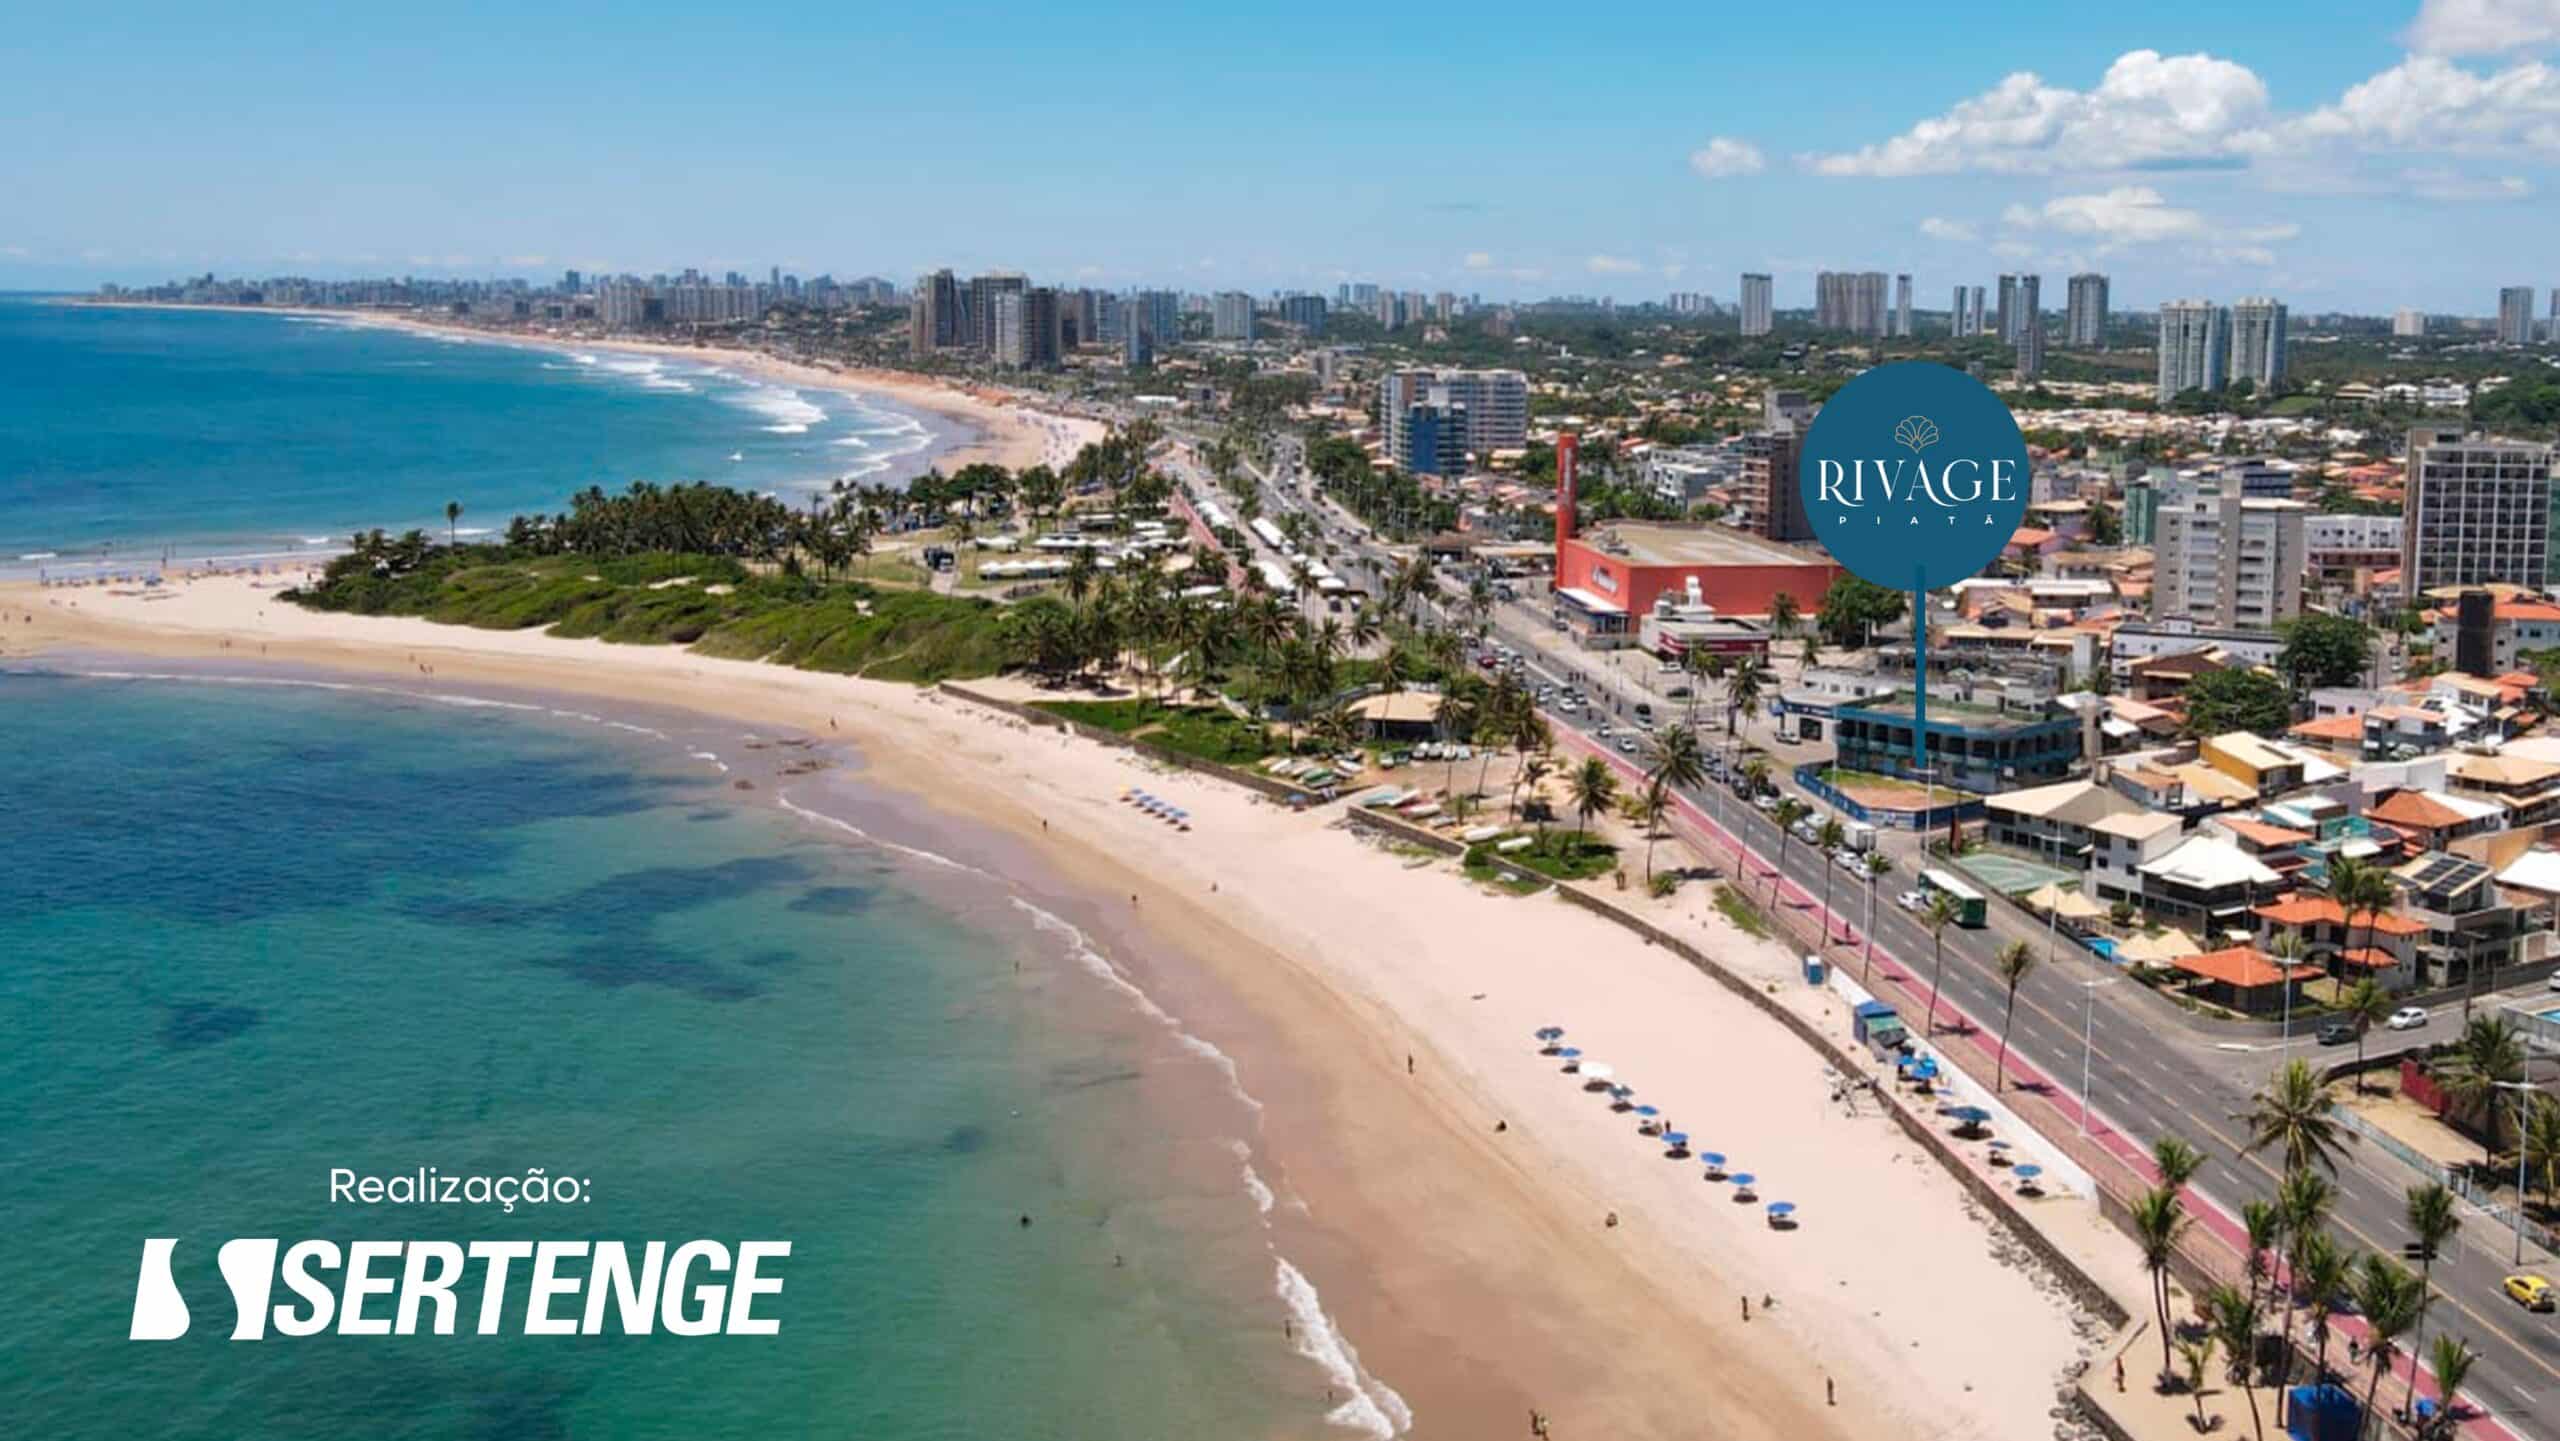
pixel 998 426
pixel 1444 1186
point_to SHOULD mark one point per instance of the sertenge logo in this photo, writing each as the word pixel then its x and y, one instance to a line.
pixel 1914 476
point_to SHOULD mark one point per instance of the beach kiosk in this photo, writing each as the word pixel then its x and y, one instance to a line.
pixel 1879 1028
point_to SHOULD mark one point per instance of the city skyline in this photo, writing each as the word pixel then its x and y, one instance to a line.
pixel 2184 151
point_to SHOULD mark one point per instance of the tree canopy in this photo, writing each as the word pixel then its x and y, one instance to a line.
pixel 2325 650
pixel 2237 700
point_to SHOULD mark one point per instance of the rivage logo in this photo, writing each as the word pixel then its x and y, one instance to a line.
pixel 388 1288
pixel 1914 475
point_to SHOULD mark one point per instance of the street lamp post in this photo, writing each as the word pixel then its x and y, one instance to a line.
pixel 2088 1047
pixel 2524 1093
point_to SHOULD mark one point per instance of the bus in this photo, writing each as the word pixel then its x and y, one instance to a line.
pixel 1969 902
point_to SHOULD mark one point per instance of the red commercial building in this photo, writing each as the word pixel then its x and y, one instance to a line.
pixel 1608 581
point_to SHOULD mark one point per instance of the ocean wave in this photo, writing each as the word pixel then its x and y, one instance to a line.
pixel 1371 1407
pixel 41 555
pixel 661 382
pixel 788 411
pixel 582 357
pixel 1254 1186
pixel 712 758
pixel 638 365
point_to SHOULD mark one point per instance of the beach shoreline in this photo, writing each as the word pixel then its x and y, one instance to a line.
pixel 999 427
pixel 1386 1034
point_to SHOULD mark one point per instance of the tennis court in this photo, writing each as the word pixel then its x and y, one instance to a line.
pixel 2014 875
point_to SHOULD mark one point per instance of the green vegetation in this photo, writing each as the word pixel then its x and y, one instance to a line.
pixel 1210 733
pixel 2237 700
pixel 1562 855
pixel 713 603
pixel 1738 908
pixel 2322 650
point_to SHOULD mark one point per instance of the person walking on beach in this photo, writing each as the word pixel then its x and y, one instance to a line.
pixel 1746 1307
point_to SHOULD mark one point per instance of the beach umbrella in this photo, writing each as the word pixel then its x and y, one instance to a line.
pixel 2027 1173
pixel 1712 1158
pixel 1549 1033
pixel 1648 1111
pixel 1969 1115
pixel 1742 1184
pixel 1598 1071
pixel 1780 1210
pixel 1675 1139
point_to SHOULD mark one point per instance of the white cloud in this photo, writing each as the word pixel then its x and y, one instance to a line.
pixel 1724 156
pixel 1938 227
pixel 1613 265
pixel 2429 103
pixel 15 252
pixel 1673 270
pixel 1479 260
pixel 2148 110
pixel 2126 216
pixel 2446 184
pixel 2483 27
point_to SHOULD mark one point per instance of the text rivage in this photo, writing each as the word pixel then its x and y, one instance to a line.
pixel 1958 482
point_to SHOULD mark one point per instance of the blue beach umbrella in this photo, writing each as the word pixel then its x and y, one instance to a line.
pixel 1675 1139
pixel 1648 1110
pixel 2026 1173
pixel 1969 1115
pixel 1780 1210
pixel 1569 1052
pixel 1549 1033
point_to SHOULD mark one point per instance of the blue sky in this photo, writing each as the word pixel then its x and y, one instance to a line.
pixel 2348 155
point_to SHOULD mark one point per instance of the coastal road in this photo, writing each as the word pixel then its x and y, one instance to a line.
pixel 2145 1075
pixel 2142 1082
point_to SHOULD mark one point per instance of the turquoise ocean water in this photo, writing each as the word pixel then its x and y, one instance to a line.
pixel 253 931
pixel 129 433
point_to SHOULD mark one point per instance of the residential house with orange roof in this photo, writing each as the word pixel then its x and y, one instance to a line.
pixel 2245 979
pixel 2528 788
pixel 2431 818
pixel 2381 944
pixel 2516 624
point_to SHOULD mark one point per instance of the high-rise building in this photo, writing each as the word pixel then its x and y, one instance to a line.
pixel 2194 350
pixel 1156 312
pixel 2550 328
pixel 621 303
pixel 2006 316
pixel 979 331
pixel 2410 324
pixel 934 313
pixel 2084 321
pixel 1902 305
pixel 1853 301
pixel 1305 312
pixel 2027 325
pixel 1495 404
pixel 1770 502
pixel 2257 341
pixel 1433 440
pixel 1757 317
pixel 1231 317
pixel 2226 561
pixel 1027 324
pixel 2474 511
pixel 2515 315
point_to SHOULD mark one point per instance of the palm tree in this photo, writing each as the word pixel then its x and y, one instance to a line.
pixel 1455 716
pixel 1647 809
pixel 1594 788
pixel 2364 1006
pixel 2386 1296
pixel 1942 909
pixel 2541 1142
pixel 452 518
pixel 2489 1055
pixel 1783 611
pixel 2450 1357
pixel 2233 1315
pixel 2176 1161
pixel 1828 838
pixel 2261 1224
pixel 2015 960
pixel 1789 812
pixel 2197 1357
pixel 2321 1272
pixel 1876 865
pixel 2432 1222
pixel 2159 1220
pixel 2303 1199
pixel 2292 1112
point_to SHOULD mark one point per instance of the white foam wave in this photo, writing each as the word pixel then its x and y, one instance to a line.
pixel 1254 1185
pixel 866 837
pixel 642 365
pixel 789 412
pixel 1370 1406
pixel 722 765
pixel 41 555
pixel 582 358
pixel 661 382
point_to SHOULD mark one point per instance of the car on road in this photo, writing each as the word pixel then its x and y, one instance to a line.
pixel 1913 900
pixel 2337 1033
pixel 1627 743
pixel 1766 800
pixel 2407 1018
pixel 2532 1292
pixel 1850 861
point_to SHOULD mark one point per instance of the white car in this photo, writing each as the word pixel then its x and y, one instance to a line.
pixel 2552 982
pixel 1850 861
pixel 1913 900
pixel 2407 1018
